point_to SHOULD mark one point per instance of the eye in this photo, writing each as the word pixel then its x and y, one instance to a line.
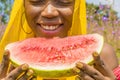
pixel 64 2
pixel 37 2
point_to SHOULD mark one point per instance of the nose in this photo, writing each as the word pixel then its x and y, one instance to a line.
pixel 49 11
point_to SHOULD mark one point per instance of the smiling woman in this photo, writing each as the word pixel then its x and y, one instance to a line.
pixel 51 18
pixel 47 18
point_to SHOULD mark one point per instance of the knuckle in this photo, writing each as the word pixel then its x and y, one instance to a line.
pixel 95 74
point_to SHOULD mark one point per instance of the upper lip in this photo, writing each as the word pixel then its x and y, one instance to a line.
pixel 50 23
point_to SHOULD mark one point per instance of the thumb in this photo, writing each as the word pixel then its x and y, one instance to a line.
pixel 4 64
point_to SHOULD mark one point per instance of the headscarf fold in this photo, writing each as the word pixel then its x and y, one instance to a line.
pixel 18 28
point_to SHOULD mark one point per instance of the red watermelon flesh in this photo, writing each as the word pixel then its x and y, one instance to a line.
pixel 55 57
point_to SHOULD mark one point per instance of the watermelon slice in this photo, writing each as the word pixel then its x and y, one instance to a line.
pixel 53 58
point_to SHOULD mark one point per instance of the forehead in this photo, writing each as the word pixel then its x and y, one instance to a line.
pixel 58 2
pixel 51 0
pixel 48 0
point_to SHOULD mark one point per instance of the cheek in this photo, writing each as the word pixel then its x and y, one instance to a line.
pixel 32 15
pixel 31 11
pixel 67 12
pixel 67 15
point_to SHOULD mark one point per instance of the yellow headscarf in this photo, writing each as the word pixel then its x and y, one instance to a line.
pixel 15 32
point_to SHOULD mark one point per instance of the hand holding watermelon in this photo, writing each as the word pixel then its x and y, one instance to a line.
pixel 99 70
pixel 48 60
pixel 12 73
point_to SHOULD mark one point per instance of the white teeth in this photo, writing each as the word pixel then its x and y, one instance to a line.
pixel 49 27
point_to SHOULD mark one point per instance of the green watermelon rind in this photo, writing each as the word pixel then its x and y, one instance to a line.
pixel 66 72
pixel 50 73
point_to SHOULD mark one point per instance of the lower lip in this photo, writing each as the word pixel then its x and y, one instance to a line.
pixel 51 32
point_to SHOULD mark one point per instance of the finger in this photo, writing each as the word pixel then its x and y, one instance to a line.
pixel 27 75
pixel 4 64
pixel 13 75
pixel 98 63
pixel 34 78
pixel 76 70
pixel 11 68
pixel 82 75
pixel 90 71
pixel 100 66
pixel 77 78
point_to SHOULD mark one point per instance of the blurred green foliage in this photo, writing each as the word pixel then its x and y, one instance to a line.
pixel 5 7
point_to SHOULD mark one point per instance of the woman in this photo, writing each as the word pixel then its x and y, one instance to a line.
pixel 50 18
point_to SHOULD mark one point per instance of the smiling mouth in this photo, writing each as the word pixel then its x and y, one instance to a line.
pixel 50 30
pixel 50 27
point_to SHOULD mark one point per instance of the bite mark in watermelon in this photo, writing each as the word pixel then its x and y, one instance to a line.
pixel 52 58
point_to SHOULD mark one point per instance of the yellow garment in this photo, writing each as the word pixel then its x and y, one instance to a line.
pixel 14 31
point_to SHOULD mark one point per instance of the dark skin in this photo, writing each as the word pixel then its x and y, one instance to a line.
pixel 11 73
pixel 49 18
pixel 54 19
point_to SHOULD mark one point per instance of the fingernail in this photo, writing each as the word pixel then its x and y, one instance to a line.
pixel 76 70
pixel 6 52
pixel 95 54
pixel 24 67
pixel 30 72
pixel 80 65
